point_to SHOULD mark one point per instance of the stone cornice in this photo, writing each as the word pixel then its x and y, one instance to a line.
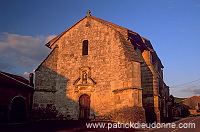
pixel 123 89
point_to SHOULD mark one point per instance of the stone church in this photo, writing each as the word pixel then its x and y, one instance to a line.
pixel 98 70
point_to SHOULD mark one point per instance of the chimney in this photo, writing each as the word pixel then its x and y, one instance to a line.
pixel 31 75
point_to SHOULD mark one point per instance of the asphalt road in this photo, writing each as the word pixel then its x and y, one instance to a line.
pixel 189 124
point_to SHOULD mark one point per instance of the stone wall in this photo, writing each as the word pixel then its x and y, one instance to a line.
pixel 59 79
pixel 150 88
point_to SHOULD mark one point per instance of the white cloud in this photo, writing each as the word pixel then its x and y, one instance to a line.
pixel 24 51
pixel 26 73
pixel 48 38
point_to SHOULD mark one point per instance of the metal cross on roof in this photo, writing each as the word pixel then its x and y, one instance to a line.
pixel 88 13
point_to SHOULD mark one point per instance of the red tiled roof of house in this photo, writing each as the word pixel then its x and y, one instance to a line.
pixel 189 98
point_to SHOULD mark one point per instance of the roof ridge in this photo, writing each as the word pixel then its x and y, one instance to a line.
pixel 190 98
pixel 8 75
pixel 54 49
pixel 121 35
pixel 113 24
pixel 51 42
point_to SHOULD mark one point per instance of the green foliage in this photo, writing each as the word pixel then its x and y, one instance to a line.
pixel 176 99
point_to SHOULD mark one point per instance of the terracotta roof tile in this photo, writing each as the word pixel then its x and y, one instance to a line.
pixel 189 98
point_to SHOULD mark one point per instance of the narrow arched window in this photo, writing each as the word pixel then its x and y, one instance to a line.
pixel 85 47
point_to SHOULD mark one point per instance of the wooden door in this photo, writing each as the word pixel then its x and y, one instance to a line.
pixel 84 107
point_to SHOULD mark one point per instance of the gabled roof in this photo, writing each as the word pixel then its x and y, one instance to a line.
pixel 13 79
pixel 122 30
pixel 190 98
pixel 128 37
pixel 51 42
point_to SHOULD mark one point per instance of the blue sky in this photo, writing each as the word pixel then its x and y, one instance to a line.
pixel 172 26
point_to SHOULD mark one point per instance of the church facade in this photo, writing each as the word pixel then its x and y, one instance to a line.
pixel 100 71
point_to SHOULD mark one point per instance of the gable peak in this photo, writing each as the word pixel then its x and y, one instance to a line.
pixel 88 13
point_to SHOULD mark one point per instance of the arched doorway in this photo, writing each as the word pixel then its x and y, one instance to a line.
pixel 18 109
pixel 84 107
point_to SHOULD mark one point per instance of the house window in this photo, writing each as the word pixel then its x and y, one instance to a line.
pixel 85 47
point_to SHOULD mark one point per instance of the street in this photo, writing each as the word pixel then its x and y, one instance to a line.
pixel 192 122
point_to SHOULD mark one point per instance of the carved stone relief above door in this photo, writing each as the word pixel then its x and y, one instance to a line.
pixel 84 82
